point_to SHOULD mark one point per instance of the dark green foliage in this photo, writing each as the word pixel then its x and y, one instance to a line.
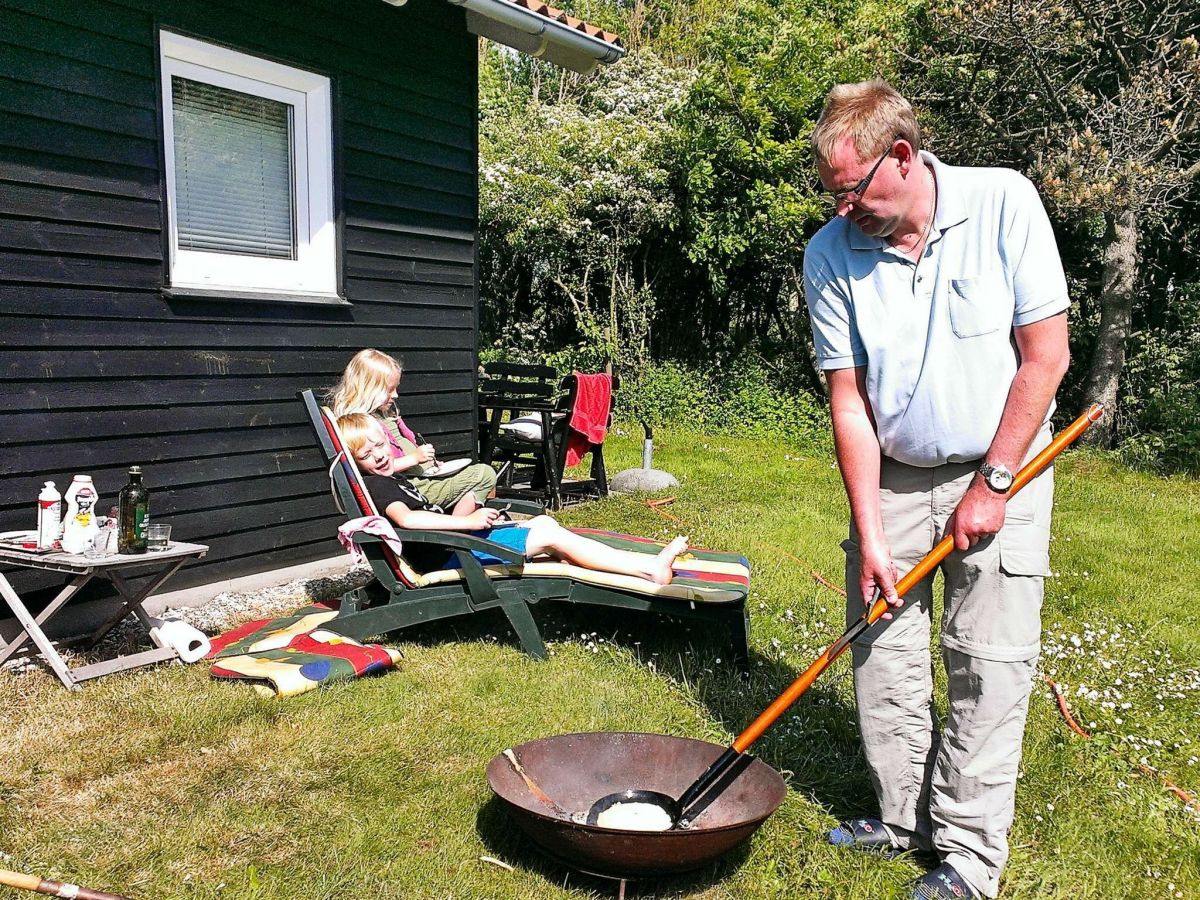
pixel 1162 389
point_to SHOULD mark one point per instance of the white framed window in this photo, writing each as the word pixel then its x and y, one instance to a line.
pixel 249 170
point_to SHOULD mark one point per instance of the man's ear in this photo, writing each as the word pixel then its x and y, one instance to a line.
pixel 904 154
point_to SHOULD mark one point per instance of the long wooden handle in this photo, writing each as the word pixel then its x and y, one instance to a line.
pixel 53 888
pixel 931 561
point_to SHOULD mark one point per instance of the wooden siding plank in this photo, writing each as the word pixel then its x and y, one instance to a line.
pixel 78 77
pixel 81 270
pixel 399 143
pixel 17 331
pixel 400 171
pixel 219 473
pixel 367 213
pixel 92 176
pixel 181 417
pixel 402 305
pixel 385 117
pixel 394 244
pixel 74 206
pixel 423 199
pixel 99 394
pixel 360 265
pixel 72 42
pixel 264 374
pixel 55 105
pixel 417 226
pixel 83 143
pixel 83 455
pixel 97 17
pixel 360 290
pixel 59 237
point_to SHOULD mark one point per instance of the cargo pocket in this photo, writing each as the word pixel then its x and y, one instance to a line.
pixel 998 616
pixel 1024 549
pixel 977 306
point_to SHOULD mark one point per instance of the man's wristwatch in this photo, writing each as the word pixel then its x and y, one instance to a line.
pixel 997 477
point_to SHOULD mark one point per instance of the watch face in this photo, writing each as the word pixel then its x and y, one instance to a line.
pixel 1000 479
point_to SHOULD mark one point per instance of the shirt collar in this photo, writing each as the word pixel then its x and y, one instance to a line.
pixel 950 208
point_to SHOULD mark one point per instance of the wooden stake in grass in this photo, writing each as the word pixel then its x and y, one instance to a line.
pixel 1188 800
pixel 53 888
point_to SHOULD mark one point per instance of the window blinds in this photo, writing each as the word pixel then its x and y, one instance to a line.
pixel 233 171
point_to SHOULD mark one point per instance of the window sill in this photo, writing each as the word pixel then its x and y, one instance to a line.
pixel 233 296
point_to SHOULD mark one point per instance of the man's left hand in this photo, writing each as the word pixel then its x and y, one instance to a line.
pixel 980 514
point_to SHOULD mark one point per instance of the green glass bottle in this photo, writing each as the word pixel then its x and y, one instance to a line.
pixel 133 514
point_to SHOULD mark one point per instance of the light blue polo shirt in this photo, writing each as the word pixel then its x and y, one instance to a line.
pixel 936 337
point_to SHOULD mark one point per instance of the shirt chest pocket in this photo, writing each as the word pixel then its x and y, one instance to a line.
pixel 979 306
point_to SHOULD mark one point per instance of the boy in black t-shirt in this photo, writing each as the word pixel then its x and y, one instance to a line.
pixel 541 536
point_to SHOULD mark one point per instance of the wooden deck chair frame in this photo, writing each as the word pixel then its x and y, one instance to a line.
pixel 394 600
pixel 509 390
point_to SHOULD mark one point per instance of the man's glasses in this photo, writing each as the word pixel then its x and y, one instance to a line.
pixel 854 194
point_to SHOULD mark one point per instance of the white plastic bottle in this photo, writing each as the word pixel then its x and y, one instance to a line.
pixel 49 516
pixel 81 526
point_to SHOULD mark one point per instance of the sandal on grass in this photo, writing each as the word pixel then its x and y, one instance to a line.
pixel 943 883
pixel 868 835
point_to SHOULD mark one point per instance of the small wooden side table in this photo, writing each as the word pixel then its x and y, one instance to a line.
pixel 82 570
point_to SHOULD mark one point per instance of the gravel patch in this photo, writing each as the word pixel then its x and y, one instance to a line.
pixel 226 610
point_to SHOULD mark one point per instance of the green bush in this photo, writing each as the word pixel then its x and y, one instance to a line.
pixel 1160 405
pixel 741 397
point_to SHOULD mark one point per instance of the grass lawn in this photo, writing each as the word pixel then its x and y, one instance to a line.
pixel 164 784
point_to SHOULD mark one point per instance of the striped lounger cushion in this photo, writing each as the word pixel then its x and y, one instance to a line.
pixel 701 576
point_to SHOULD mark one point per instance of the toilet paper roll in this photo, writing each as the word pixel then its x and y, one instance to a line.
pixel 189 643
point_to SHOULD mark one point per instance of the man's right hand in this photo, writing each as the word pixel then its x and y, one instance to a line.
pixel 876 570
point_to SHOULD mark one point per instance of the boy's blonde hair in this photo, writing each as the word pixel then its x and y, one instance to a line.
pixel 872 113
pixel 356 430
pixel 364 384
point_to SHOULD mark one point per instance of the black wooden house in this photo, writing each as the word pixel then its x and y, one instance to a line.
pixel 152 314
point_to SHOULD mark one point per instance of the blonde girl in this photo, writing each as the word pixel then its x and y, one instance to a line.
pixel 369 385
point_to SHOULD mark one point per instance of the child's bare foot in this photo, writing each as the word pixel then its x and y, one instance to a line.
pixel 661 570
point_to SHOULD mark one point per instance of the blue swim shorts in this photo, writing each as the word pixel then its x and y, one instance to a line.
pixel 512 536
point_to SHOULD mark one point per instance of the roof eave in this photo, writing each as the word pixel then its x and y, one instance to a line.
pixel 529 32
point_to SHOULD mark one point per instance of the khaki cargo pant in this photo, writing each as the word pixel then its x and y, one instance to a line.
pixel 953 793
pixel 478 479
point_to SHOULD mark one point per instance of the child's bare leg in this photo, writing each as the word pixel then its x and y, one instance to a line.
pixel 547 536
pixel 466 505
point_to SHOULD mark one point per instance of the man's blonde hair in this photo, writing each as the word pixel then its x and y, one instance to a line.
pixel 871 113
pixel 356 430
pixel 364 384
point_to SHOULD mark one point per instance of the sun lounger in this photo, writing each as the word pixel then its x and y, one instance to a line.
pixel 709 586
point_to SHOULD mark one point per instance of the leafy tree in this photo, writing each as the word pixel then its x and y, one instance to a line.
pixel 1098 103
pixel 744 173
pixel 573 198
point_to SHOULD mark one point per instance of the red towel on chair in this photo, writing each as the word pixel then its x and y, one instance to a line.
pixel 589 419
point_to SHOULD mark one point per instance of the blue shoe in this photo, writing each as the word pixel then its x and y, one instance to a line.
pixel 867 835
pixel 943 883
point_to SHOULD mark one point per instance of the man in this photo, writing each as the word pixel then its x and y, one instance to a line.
pixel 938 306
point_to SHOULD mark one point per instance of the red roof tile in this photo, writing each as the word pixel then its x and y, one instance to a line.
pixel 558 15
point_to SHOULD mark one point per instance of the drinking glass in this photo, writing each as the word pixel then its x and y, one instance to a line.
pixel 158 537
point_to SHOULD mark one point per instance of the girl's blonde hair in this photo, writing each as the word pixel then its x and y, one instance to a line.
pixel 356 430
pixel 872 113
pixel 364 384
